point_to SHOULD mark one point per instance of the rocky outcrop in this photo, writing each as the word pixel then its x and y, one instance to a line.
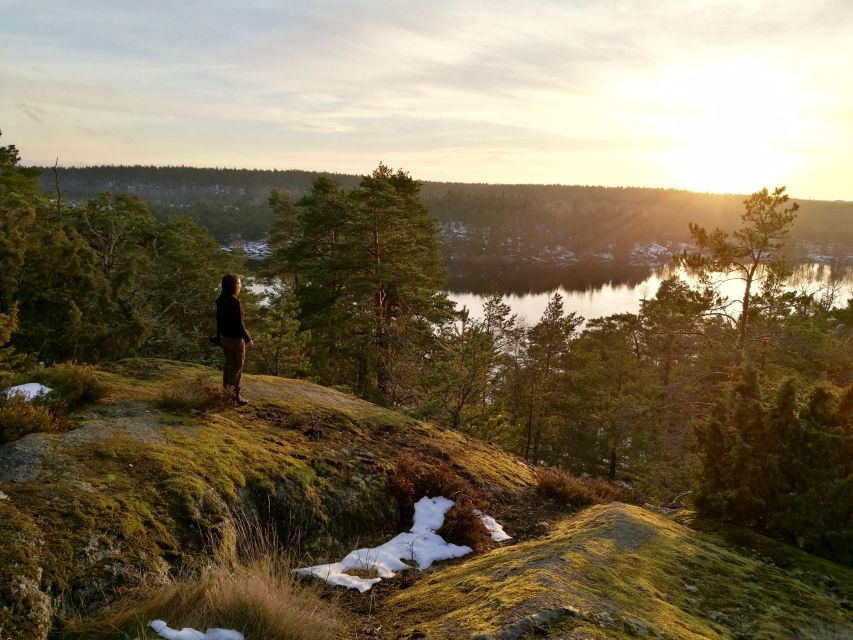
pixel 137 491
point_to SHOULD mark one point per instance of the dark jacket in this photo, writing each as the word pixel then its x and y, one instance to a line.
pixel 229 318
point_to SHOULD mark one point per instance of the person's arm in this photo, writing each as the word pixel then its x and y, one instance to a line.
pixel 246 337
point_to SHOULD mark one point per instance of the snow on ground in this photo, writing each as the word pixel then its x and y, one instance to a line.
pixel 164 631
pixel 420 546
pixel 495 530
pixel 29 390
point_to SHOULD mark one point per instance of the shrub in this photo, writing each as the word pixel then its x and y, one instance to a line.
pixel 18 418
pixel 418 476
pixel 72 384
pixel 463 526
pixel 202 394
pixel 563 487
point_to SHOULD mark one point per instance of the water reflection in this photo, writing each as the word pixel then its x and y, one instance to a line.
pixel 602 289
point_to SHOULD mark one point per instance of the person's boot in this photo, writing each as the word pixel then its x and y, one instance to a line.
pixel 239 400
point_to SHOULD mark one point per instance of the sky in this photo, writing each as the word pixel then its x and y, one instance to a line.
pixel 724 96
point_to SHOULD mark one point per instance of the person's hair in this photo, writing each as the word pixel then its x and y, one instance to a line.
pixel 229 283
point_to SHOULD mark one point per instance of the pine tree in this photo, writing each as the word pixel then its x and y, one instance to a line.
pixel 767 222
pixel 367 272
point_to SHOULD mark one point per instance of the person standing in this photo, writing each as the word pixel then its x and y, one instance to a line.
pixel 232 334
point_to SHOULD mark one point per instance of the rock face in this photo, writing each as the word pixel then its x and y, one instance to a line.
pixel 134 490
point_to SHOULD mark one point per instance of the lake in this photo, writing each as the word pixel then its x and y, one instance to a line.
pixel 621 291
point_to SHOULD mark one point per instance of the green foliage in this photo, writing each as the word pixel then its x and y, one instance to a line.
pixel 767 222
pixel 100 279
pixel 367 273
pixel 180 288
pixel 782 469
pixel 456 381
pixel 19 196
pixel 280 348
pixel 546 360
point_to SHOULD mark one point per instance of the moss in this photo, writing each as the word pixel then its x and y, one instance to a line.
pixel 140 492
pixel 618 571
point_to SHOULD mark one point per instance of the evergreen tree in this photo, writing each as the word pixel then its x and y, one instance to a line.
pixel 548 348
pixel 368 275
pixel 19 197
pixel 280 346
pixel 767 222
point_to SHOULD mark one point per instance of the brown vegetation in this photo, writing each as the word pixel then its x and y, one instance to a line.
pixel 563 487
pixel 201 394
pixel 255 595
pixel 18 418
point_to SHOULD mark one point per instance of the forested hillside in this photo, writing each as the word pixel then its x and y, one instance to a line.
pixel 478 222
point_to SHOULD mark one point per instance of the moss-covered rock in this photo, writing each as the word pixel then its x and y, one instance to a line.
pixel 619 571
pixel 137 492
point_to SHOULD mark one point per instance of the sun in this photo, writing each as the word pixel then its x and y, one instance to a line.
pixel 730 128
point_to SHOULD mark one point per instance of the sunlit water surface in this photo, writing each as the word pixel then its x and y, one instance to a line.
pixel 594 302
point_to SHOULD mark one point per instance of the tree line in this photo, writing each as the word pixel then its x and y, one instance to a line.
pixel 499 220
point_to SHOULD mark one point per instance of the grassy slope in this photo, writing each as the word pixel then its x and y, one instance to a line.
pixel 136 491
pixel 619 571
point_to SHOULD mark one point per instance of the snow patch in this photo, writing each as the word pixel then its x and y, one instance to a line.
pixel 420 546
pixel 29 390
pixel 495 530
pixel 164 631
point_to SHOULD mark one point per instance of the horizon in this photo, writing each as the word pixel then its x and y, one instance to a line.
pixel 710 97
pixel 49 167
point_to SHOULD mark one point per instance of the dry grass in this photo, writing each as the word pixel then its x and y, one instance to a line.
pixel 563 487
pixel 72 384
pixel 254 594
pixel 18 418
pixel 201 394
pixel 418 476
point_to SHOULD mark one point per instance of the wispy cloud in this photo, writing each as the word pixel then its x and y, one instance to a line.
pixel 492 90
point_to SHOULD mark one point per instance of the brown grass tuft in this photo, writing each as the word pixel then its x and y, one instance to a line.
pixel 201 394
pixel 563 487
pixel 72 384
pixel 254 594
pixel 18 418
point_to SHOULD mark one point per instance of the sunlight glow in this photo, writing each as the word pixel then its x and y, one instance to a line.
pixel 732 126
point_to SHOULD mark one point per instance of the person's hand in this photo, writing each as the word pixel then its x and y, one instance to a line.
pixel 250 344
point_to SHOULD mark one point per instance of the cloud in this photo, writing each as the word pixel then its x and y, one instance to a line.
pixel 484 79
pixel 33 112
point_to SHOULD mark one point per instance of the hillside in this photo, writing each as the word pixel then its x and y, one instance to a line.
pixel 493 223
pixel 137 492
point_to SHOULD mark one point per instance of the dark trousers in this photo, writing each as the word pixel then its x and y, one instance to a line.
pixel 235 354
